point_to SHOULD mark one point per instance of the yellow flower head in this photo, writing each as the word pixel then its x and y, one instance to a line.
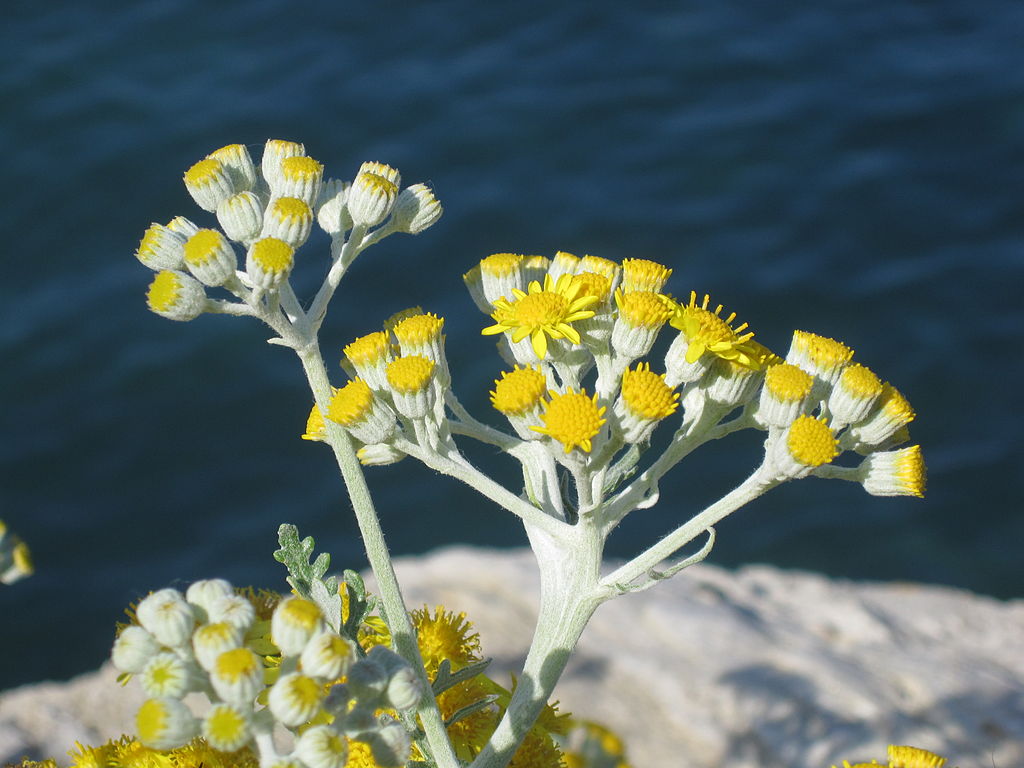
pixel 644 275
pixel 315 427
pixel 351 404
pixel 913 757
pixel 544 310
pixel 469 734
pixel 573 419
pixel 707 331
pixel 519 390
pixel 810 441
pixel 594 284
pixel 445 635
pixel 642 309
pixel 647 395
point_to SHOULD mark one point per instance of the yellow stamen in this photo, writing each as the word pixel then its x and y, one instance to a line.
pixel 419 329
pixel 644 275
pixel 164 291
pixel 642 309
pixel 647 394
pixel 787 382
pixel 351 404
pixel 410 374
pixel 573 419
pixel 519 390
pixel 368 349
pixel 811 442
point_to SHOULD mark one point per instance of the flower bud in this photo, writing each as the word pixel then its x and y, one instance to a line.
pixel 227 727
pixel 166 616
pixel 416 209
pixel 164 723
pixel 294 622
pixel 176 296
pixel 133 649
pixel 241 217
pixel 322 747
pixel 294 699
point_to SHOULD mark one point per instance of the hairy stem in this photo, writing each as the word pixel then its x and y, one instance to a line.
pixel 377 553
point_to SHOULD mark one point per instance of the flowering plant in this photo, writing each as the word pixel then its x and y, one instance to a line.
pixel 596 420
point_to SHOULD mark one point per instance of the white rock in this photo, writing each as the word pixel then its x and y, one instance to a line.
pixel 757 668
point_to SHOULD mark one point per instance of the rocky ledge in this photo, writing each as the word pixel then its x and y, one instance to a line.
pixel 755 668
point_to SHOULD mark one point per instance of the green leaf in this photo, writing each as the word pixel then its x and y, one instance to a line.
pixel 308 579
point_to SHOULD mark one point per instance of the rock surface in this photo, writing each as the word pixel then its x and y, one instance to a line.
pixel 756 668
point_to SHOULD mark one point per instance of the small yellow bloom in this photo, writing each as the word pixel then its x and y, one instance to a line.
pixel 519 390
pixel 573 419
pixel 445 635
pixel 543 311
pixel 707 331
pixel 913 757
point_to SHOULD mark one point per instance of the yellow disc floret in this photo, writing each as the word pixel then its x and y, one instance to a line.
pixel 203 246
pixel 291 209
pixel 369 349
pixel 642 309
pixel 164 291
pixel 501 264
pixel 910 472
pixel 599 266
pixel 860 381
pixel 300 168
pixel 419 330
pixel 351 404
pixel 708 331
pixel 811 442
pixel 593 284
pixel 647 394
pixel 787 382
pixel 573 419
pixel 315 427
pixel 204 172
pixel 913 757
pixel 895 406
pixel 237 664
pixel 644 275
pixel 410 374
pixel 445 635
pixel 821 352
pixel 543 311
pixel 519 390
pixel 273 255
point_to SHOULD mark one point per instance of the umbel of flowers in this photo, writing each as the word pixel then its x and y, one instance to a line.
pixel 596 415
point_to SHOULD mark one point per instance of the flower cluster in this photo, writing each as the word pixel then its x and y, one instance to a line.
pixel 558 320
pixel 15 558
pixel 267 211
pixel 304 677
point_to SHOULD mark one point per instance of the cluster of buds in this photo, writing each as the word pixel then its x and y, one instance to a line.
pixel 291 671
pixel 399 377
pixel 15 558
pixel 267 213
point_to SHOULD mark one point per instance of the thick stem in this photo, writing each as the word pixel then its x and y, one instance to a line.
pixel 569 566
pixel 380 559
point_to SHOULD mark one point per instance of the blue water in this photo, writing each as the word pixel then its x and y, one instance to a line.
pixel 849 168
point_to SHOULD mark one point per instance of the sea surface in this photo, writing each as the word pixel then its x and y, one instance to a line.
pixel 849 168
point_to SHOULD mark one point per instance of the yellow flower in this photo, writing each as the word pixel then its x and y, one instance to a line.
pixel 707 331
pixel 445 635
pixel 573 419
pixel 543 311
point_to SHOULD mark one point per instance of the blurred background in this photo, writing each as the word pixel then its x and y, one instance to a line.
pixel 848 168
